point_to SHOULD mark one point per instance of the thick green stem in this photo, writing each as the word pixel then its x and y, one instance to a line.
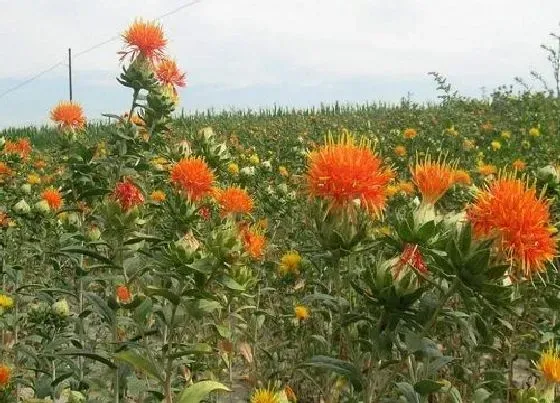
pixel 445 297
pixel 169 366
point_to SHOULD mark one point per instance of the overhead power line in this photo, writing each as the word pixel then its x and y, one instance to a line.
pixel 90 49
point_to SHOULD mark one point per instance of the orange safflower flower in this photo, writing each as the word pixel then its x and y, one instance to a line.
pixel 519 165
pixel 400 151
pixel 21 147
pixel 461 177
pixel 53 198
pixel 40 164
pixel 68 115
pixel 410 133
pixel 234 200
pixel 487 169
pixel 168 73
pixel 123 293
pixel 158 196
pixel 146 39
pixel 511 211
pixel 127 195
pixel 549 365
pixel 5 170
pixel 193 176
pixel 406 187
pixel 5 375
pixel 253 241
pixel 432 178
pixel 345 171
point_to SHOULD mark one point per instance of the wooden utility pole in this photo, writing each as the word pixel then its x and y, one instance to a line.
pixel 70 72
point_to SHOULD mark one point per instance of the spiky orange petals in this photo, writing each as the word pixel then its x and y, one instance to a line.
pixel 168 73
pixel 53 198
pixel 432 178
pixel 487 169
pixel 519 165
pixel 233 200
pixel 144 38
pixel 511 211
pixel 193 176
pixel 127 195
pixel 123 294
pixel 253 240
pixel 68 115
pixel 549 365
pixel 344 172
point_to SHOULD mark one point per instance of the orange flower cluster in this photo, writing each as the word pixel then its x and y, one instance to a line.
pixel 127 195
pixel 123 293
pixel 345 172
pixel 21 147
pixel 168 73
pixel 253 240
pixel 193 176
pixel 511 211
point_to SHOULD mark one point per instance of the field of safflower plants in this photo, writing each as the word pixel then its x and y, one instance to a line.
pixel 382 253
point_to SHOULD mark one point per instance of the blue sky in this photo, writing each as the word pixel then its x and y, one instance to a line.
pixel 252 53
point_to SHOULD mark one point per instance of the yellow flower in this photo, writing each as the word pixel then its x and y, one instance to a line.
pixel 534 132
pixel 6 301
pixel 157 196
pixel 549 365
pixel 487 169
pixel 506 134
pixel 391 190
pixel 282 170
pixel 33 179
pixel 496 145
pixel 254 159
pixel 410 133
pixel 302 312
pixel 468 144
pixel 290 263
pixel 451 131
pixel 400 151
pixel 264 396
pixel 525 144
pixel 233 168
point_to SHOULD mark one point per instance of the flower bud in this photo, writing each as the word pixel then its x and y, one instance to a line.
pixel 26 188
pixel 21 207
pixel 42 207
pixel 61 308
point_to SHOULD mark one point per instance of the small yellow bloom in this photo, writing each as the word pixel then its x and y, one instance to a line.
pixel 254 159
pixel 290 263
pixel 410 133
pixel 534 132
pixel 525 144
pixel 400 151
pixel 159 161
pixel 391 190
pixel 549 365
pixel 406 187
pixel 6 301
pixel 496 145
pixel 233 168
pixel 519 165
pixel 157 196
pixel 302 312
pixel 264 396
pixel 505 134
pixel 487 169
pixel 451 131
pixel 33 179
pixel 283 171
pixel 468 144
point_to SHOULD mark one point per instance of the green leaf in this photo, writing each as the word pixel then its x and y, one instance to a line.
pixel 344 368
pixel 427 386
pixel 93 356
pixel 89 253
pixel 162 292
pixel 408 392
pixel 198 391
pixel 140 362
pixel 481 395
pixel 102 307
pixel 230 283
